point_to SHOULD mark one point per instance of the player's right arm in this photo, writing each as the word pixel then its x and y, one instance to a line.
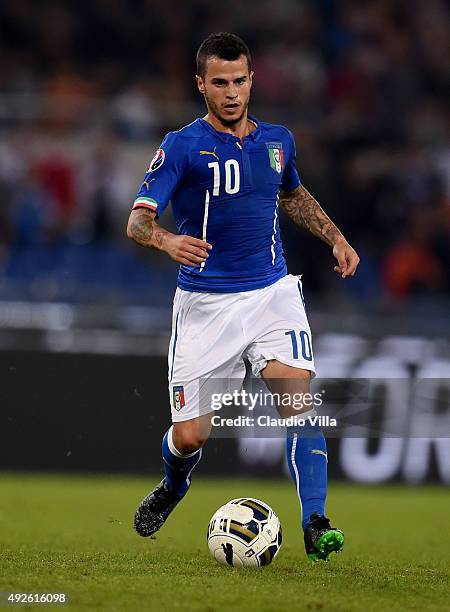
pixel 143 229
pixel 164 175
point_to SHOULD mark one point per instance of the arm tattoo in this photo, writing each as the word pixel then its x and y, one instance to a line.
pixel 143 229
pixel 304 210
pixel 159 237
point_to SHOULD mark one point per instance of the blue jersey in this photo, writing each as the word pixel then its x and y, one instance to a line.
pixel 225 192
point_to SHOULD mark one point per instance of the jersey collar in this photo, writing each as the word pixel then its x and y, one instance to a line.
pixel 225 137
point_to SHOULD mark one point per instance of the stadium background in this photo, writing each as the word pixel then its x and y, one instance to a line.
pixel 87 90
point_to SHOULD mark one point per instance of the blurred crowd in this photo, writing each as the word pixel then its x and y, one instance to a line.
pixel 363 84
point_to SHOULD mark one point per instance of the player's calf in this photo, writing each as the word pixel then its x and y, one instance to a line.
pixel 179 462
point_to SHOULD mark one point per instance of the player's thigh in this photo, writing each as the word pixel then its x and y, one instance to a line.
pixel 281 331
pixel 291 386
pixel 205 353
pixel 190 399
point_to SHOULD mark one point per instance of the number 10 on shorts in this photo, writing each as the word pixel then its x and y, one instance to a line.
pixel 305 344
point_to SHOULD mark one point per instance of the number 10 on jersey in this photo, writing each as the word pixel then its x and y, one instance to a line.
pixel 232 177
pixel 305 344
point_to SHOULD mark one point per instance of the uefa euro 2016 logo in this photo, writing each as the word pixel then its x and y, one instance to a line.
pixel 157 161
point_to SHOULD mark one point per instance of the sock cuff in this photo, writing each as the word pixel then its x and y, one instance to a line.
pixel 309 413
pixel 173 448
pixel 307 427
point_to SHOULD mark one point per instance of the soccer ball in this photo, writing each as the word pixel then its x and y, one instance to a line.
pixel 245 532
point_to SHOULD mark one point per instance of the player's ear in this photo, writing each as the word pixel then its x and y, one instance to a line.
pixel 200 84
pixel 251 78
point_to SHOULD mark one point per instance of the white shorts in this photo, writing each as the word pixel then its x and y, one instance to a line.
pixel 212 335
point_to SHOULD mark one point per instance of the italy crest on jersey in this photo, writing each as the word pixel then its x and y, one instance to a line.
pixel 276 156
pixel 178 397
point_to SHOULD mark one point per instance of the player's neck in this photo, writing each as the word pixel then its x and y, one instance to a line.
pixel 241 129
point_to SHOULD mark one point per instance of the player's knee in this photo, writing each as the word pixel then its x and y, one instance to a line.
pixel 188 440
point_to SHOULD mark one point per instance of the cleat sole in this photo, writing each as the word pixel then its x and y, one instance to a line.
pixel 315 557
pixel 329 542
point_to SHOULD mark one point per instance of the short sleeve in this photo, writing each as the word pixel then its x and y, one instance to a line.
pixel 164 175
pixel 291 178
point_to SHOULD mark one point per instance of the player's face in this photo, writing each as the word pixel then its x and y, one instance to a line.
pixel 226 87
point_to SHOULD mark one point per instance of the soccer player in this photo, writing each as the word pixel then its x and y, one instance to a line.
pixel 227 174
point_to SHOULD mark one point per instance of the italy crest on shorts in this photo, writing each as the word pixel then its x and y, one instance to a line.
pixel 178 397
pixel 276 156
pixel 157 161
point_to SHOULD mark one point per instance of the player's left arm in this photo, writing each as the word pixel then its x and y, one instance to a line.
pixel 306 211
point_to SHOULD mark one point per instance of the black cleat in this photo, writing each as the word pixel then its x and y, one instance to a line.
pixel 321 539
pixel 154 510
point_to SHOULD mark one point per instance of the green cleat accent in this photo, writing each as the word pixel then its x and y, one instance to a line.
pixel 314 557
pixel 321 539
pixel 331 541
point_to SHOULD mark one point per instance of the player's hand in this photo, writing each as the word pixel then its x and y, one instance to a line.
pixel 347 257
pixel 187 250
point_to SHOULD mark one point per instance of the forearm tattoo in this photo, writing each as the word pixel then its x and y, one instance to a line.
pixel 141 227
pixel 144 230
pixel 304 210
pixel 159 236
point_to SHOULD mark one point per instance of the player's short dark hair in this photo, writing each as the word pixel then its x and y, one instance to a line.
pixel 223 45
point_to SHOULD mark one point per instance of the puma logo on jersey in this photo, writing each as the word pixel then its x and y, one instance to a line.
pixel 213 153
pixel 316 451
pixel 147 183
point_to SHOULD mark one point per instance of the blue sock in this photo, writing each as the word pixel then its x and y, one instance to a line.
pixel 307 459
pixel 177 467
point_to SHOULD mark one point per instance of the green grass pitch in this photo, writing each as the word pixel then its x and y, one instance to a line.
pixel 74 534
